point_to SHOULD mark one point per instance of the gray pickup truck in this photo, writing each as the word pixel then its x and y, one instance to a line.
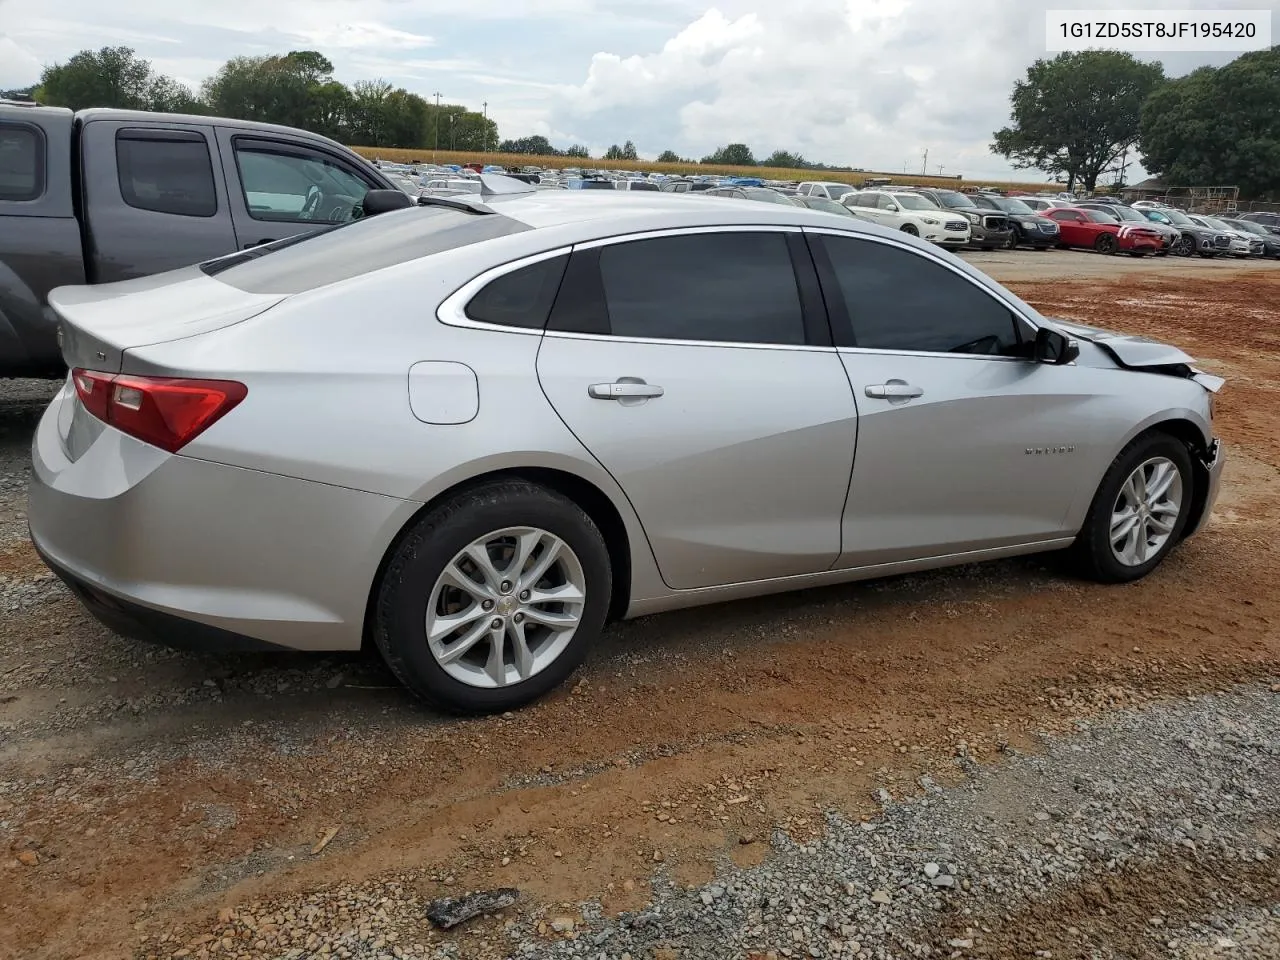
pixel 104 195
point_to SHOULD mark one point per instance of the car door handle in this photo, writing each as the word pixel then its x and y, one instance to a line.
pixel 894 390
pixel 625 388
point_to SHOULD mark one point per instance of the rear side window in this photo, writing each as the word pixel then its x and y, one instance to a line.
pixel 21 162
pixel 521 298
pixel 166 171
pixel 731 287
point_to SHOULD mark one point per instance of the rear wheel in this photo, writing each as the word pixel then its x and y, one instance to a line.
pixel 1139 511
pixel 493 597
pixel 1106 243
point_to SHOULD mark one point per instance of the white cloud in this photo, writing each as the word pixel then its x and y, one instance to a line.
pixel 870 83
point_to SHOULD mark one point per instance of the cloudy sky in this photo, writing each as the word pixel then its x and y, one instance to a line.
pixel 870 83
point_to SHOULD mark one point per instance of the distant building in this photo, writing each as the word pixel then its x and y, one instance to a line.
pixel 1149 189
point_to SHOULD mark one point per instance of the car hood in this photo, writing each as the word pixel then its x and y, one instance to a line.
pixel 1138 352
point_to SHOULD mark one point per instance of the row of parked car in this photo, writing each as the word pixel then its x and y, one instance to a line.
pixel 983 220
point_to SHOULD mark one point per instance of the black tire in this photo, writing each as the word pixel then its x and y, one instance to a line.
pixel 1137 253
pixel 1012 242
pixel 910 229
pixel 1208 255
pixel 1106 244
pixel 1092 553
pixel 433 541
pixel 1183 247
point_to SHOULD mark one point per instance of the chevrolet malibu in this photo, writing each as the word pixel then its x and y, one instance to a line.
pixel 472 431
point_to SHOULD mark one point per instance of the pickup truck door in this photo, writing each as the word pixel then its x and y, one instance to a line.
pixel 282 186
pixel 154 198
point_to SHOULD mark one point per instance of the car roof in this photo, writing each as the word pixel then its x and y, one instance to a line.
pixel 650 211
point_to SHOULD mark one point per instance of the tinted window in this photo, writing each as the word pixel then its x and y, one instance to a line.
pixel 167 172
pixel 715 286
pixel 899 300
pixel 21 163
pixel 280 184
pixel 521 298
pixel 643 185
pixel 315 259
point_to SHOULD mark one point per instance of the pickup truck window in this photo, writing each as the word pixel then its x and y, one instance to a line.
pixel 21 162
pixel 168 171
pixel 281 183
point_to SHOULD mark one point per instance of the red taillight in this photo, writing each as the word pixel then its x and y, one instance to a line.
pixel 165 411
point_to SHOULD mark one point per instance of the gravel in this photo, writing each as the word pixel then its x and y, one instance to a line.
pixel 932 875
pixel 1254 934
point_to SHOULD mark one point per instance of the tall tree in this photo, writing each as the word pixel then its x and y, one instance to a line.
pixel 668 156
pixel 784 158
pixel 625 152
pixel 579 151
pixel 734 154
pixel 111 77
pixel 1076 114
pixel 536 144
pixel 1218 127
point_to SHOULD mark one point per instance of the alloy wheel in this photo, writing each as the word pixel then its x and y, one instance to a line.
pixel 1146 511
pixel 505 607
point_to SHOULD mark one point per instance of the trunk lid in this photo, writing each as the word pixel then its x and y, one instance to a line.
pixel 97 324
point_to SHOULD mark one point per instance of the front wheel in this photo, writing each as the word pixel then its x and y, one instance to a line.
pixel 1106 243
pixel 1139 511
pixel 910 228
pixel 493 597
pixel 1012 242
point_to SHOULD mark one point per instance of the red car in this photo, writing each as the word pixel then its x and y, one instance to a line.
pixel 1079 227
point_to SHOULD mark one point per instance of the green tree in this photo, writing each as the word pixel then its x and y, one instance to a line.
pixel 578 151
pixel 625 152
pixel 783 158
pixel 1076 114
pixel 668 156
pixel 112 77
pixel 536 144
pixel 735 155
pixel 1218 126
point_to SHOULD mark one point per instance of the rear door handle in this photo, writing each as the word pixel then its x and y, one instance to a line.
pixel 624 388
pixel 894 390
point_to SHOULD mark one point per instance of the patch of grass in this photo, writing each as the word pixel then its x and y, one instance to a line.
pixel 771 173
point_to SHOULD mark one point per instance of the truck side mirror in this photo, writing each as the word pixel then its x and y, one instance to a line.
pixel 384 201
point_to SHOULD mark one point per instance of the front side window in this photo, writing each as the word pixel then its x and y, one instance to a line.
pixel 899 300
pixel 726 287
pixel 166 171
pixel 284 184
pixel 21 162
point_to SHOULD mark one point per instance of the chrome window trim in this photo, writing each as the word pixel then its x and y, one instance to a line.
pixel 453 309
pixel 660 232
pixel 661 341
pixel 928 255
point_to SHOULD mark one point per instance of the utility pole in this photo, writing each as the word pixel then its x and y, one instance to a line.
pixel 436 124
pixel 485 105
pixel 940 169
pixel 924 166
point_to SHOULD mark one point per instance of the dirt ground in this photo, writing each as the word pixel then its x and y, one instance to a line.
pixel 145 794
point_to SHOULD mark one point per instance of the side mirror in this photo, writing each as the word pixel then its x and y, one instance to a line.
pixel 384 201
pixel 1055 348
pixel 892 208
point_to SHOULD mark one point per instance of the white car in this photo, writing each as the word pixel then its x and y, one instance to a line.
pixel 1041 204
pixel 829 189
pixel 910 213
pixel 451 185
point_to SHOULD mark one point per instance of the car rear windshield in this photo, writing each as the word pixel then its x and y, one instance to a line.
pixel 347 250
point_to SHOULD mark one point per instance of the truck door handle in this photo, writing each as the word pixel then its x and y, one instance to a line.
pixel 624 388
pixel 894 390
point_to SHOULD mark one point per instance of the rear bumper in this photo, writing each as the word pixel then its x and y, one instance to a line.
pixel 130 619
pixel 204 555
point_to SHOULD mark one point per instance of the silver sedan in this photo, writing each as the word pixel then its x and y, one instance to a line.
pixel 474 430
